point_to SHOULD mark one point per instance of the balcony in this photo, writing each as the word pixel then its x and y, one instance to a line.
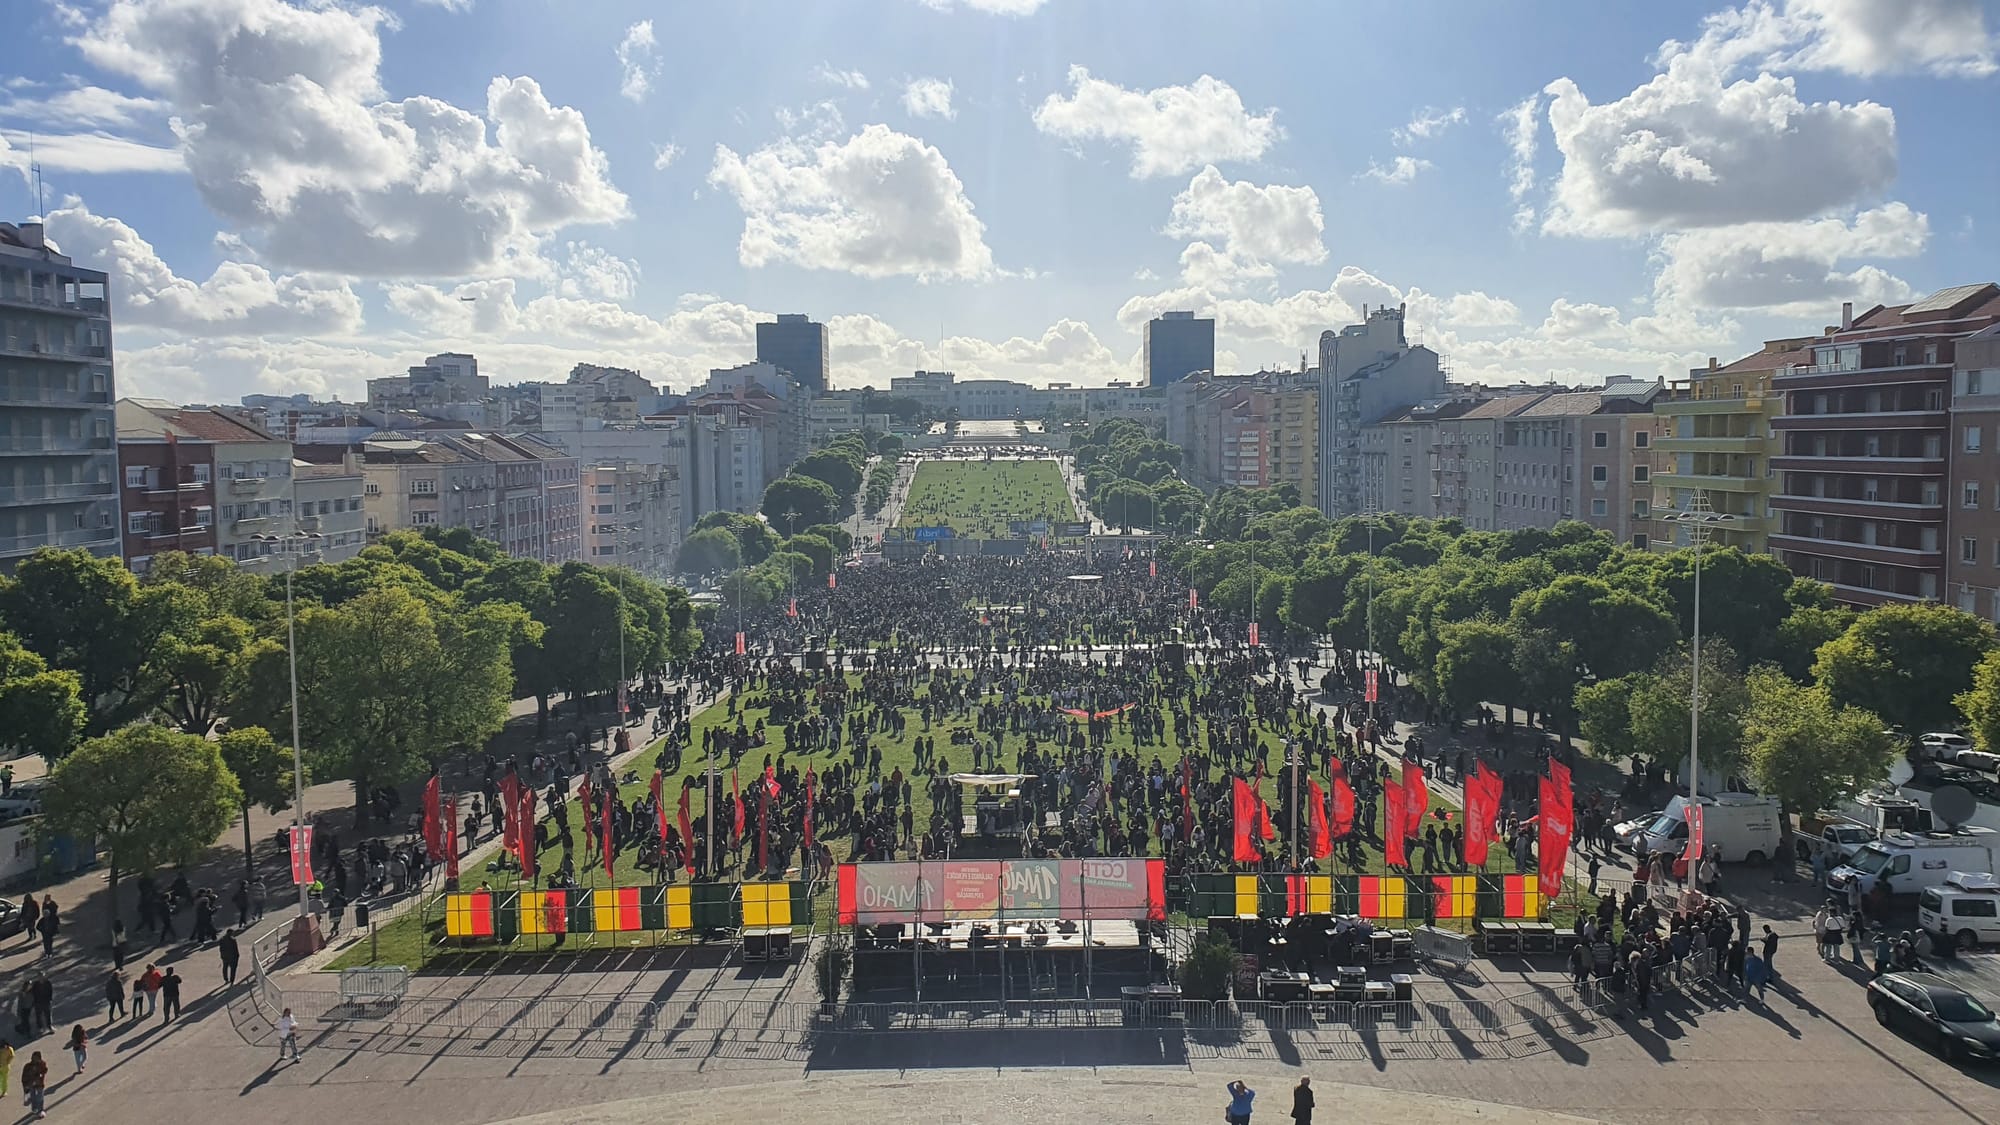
pixel 1710 406
pixel 166 488
pixel 50 397
pixel 44 445
pixel 84 537
pixel 249 523
pixel 1858 552
pixel 1885 466
pixel 27 349
pixel 43 493
pixel 240 486
pixel 1861 509
pixel 44 303
pixel 1710 444
pixel 309 525
pixel 1827 375
pixel 1878 420
pixel 1711 483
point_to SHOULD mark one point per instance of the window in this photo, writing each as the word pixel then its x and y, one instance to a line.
pixel 1972 439
pixel 1599 507
pixel 1968 550
pixel 1930 353
pixel 135 523
pixel 1968 494
pixel 424 486
pixel 422 518
pixel 1640 540
pixel 1599 474
pixel 1642 509
pixel 1972 382
pixel 1641 439
pixel 1641 474
pixel 203 473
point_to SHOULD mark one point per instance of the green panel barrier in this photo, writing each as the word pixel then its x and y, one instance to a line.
pixel 506 916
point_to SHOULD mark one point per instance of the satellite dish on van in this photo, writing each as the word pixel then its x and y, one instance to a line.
pixel 1953 805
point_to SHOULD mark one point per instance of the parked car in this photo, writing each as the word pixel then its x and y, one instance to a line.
pixel 1974 782
pixel 1942 746
pixel 1930 1009
pixel 10 918
pixel 1980 760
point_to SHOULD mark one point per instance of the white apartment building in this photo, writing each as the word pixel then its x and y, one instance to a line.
pixel 632 516
pixel 1366 372
pixel 328 501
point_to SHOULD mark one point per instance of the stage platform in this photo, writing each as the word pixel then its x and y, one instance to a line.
pixel 974 960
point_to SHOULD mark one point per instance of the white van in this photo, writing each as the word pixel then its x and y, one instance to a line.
pixel 1965 910
pixel 1743 825
pixel 1913 862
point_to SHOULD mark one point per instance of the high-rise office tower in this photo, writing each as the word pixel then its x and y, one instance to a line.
pixel 796 345
pixel 1178 344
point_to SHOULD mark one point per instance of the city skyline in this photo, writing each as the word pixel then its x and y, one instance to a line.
pixel 292 200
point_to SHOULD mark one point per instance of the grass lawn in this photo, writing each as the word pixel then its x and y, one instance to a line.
pixel 402 941
pixel 978 498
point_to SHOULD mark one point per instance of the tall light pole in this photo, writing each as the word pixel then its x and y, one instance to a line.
pixel 1369 515
pixel 1700 520
pixel 305 937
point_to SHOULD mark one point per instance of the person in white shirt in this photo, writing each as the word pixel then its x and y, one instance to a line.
pixel 288 1036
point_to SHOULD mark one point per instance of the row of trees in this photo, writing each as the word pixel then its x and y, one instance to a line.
pixel 1592 638
pixel 1133 478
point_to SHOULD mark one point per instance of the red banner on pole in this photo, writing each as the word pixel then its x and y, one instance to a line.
pixel 1343 800
pixel 1416 797
pixel 1322 836
pixel 1553 821
pixel 450 839
pixel 1482 805
pixel 302 854
pixel 1253 634
pixel 832 581
pixel 1695 840
pixel 526 832
pixel 1393 807
pixel 740 647
pixel 437 835
pixel 736 798
pixel 1194 598
pixel 1152 569
pixel 609 839
pixel 1368 678
pixel 792 608
pixel 510 813
pixel 1244 807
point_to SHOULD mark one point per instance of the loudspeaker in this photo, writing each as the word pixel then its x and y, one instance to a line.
pixel 1173 654
pixel 815 660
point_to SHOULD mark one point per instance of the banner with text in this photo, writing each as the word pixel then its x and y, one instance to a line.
pixel 1024 889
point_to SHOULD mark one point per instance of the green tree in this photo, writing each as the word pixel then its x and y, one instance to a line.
pixel 1475 665
pixel 263 773
pixel 839 470
pixel 1807 750
pixel 1611 631
pixel 1659 709
pixel 1126 503
pixel 835 534
pixel 795 502
pixel 754 537
pixel 205 668
pixel 1604 717
pixel 1906 663
pixel 1980 703
pixel 1802 634
pixel 90 616
pixel 815 547
pixel 581 631
pixel 709 551
pixel 147 794
pixel 41 711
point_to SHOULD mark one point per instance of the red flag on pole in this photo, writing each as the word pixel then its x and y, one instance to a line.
pixel 1322 837
pixel 740 647
pixel 609 838
pixel 436 835
pixel 659 807
pixel 809 808
pixel 1343 800
pixel 1152 568
pixel 1264 828
pixel 832 581
pixel 1553 823
pixel 1416 796
pixel 1253 634
pixel 736 798
pixel 1194 598
pixel 1393 807
pixel 1244 801
pixel 687 831
pixel 302 854
pixel 792 609
pixel 527 833
pixel 1482 804
pixel 510 804
pixel 1369 679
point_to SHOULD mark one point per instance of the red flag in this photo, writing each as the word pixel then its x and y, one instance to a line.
pixel 610 839
pixel 739 644
pixel 809 808
pixel 1393 807
pixel 771 780
pixel 1370 691
pixel 1245 810
pixel 1194 598
pixel 527 832
pixel 659 808
pixel 1482 804
pixel 510 803
pixel 301 837
pixel 832 581
pixel 1343 800
pixel 792 610
pixel 1264 828
pixel 736 798
pixel 1152 568
pixel 1253 634
pixel 1416 796
pixel 436 835
pixel 1553 823
pixel 1322 838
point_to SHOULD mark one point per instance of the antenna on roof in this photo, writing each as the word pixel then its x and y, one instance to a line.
pixel 35 180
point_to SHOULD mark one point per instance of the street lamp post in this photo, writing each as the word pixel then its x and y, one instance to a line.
pixel 1700 520
pixel 305 937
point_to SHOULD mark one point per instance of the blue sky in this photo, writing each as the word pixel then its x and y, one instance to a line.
pixel 300 196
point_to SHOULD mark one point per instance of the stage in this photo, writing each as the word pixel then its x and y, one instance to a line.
pixel 994 960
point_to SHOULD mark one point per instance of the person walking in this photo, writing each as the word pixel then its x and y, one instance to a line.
pixel 1302 1101
pixel 45 998
pixel 117 943
pixel 31 914
pixel 288 1036
pixel 34 1085
pixel 114 996
pixel 79 1047
pixel 1756 975
pixel 47 927
pixel 231 954
pixel 150 983
pixel 170 995
pixel 336 909
pixel 1770 949
pixel 138 995
pixel 1240 1098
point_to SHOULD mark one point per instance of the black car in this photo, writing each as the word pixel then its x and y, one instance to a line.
pixel 1936 1011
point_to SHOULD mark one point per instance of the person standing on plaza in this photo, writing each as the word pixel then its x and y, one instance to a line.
pixel 1240 1098
pixel 1770 949
pixel 1302 1101
pixel 48 926
pixel 34 1085
pixel 31 914
pixel 231 954
pixel 79 1047
pixel 170 995
pixel 114 996
pixel 117 943
pixel 138 996
pixel 150 983
pixel 45 998
pixel 288 1036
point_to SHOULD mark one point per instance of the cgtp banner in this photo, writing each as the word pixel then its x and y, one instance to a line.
pixel 302 852
pixel 1025 889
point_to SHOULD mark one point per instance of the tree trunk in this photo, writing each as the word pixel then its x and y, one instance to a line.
pixel 542 715
pixel 249 863
pixel 112 924
pixel 361 802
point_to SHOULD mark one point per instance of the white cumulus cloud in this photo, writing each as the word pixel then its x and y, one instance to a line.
pixel 1243 228
pixel 1428 122
pixel 1790 269
pixel 637 61
pixel 879 204
pixel 1399 171
pixel 928 97
pixel 1859 37
pixel 990 7
pixel 289 137
pixel 852 79
pixel 1172 129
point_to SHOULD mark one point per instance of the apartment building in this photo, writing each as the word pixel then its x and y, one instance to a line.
pixel 1247 431
pixel 521 493
pixel 1869 440
pixel 450 377
pixel 1717 445
pixel 1972 564
pixel 1366 372
pixel 252 473
pixel 167 492
pixel 633 516
pixel 59 480
pixel 327 501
